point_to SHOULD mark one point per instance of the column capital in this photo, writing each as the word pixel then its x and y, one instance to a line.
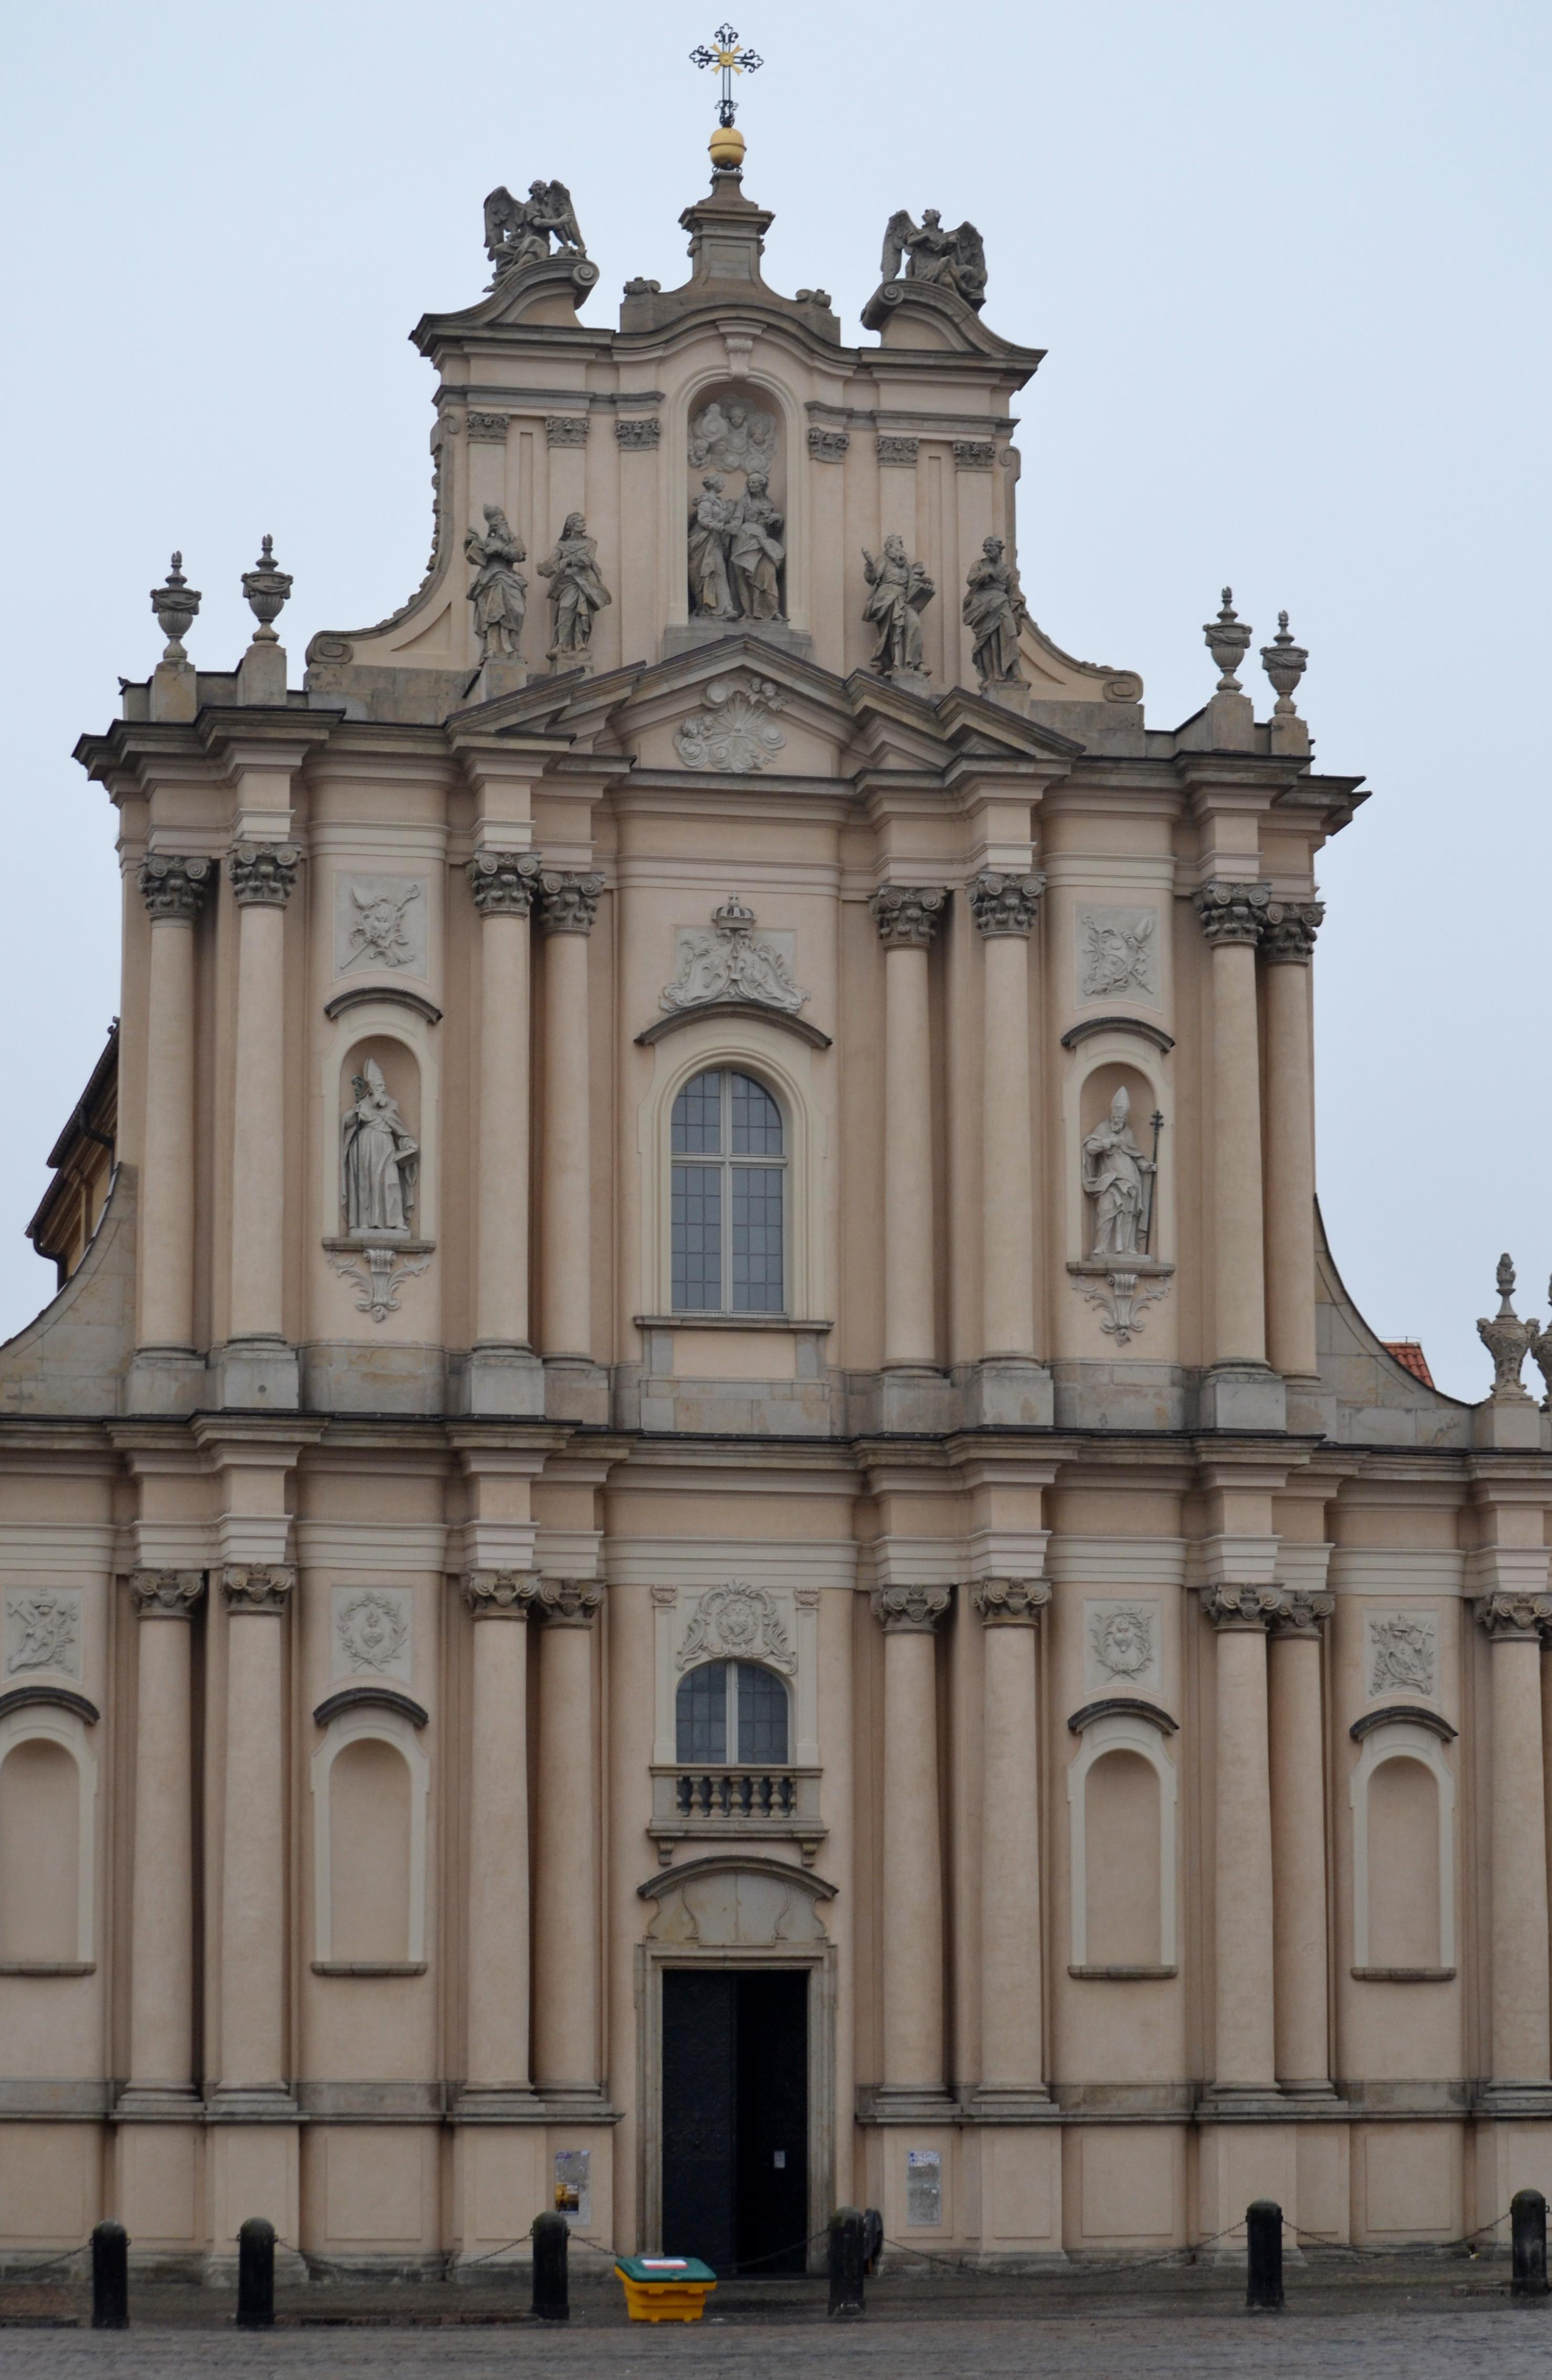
pixel 505 882
pixel 1237 1607
pixel 257 1586
pixel 1011 1602
pixel 1233 909
pixel 263 874
pixel 500 1594
pixel 910 1610
pixel 165 1594
pixel 1507 1615
pixel 175 888
pixel 1288 935
pixel 568 902
pixel 907 916
pixel 570 1602
pixel 1004 904
pixel 1304 1616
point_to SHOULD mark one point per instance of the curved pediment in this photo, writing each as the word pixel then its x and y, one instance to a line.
pixel 736 1900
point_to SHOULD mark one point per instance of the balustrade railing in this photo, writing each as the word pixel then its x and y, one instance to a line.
pixel 693 1799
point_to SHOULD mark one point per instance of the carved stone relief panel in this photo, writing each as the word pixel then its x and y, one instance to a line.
pixel 379 921
pixel 730 961
pixel 1400 1653
pixel 1118 954
pixel 738 1623
pixel 1121 1646
pixel 371 1633
pixel 735 1909
pixel 43 1631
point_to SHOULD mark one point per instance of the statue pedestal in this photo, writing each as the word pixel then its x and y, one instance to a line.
pixel 690 635
pixel 912 682
pixel 498 677
pixel 1009 694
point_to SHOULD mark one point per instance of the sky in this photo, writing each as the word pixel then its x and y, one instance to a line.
pixel 1292 270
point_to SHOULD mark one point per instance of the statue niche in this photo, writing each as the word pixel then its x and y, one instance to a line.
pixel 379 1151
pixel 737 549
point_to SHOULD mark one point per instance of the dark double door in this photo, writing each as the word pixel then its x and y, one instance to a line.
pixel 735 2116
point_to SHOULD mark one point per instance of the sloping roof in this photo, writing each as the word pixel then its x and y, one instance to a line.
pixel 1410 1353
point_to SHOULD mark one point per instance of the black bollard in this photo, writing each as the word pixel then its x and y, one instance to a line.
pixel 552 2295
pixel 1527 2226
pixel 1263 2255
pixel 847 2258
pixel 110 2274
pixel 256 2274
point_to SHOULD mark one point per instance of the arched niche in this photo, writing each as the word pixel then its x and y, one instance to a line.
pixel 1122 1792
pixel 371 1783
pixel 48 1805
pixel 404 1044
pixel 753 392
pixel 1114 1057
pixel 1401 1796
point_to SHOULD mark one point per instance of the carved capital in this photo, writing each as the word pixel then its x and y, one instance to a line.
pixel 566 428
pixel 828 445
pixel 1004 904
pixel 1507 1615
pixel 910 1610
pixel 568 902
pixel 1288 938
pixel 263 874
pixel 257 1586
pixel 1304 1616
pixel 907 915
pixel 974 453
pixel 165 1594
pixel 505 882
pixel 500 1594
pixel 639 435
pixel 898 453
pixel 488 428
pixel 569 1602
pixel 1244 1606
pixel 175 888
pixel 1011 1602
pixel 1233 909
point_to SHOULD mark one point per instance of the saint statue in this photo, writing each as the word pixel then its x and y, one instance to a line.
pixel 577 591
pixel 379 1160
pixel 710 524
pixel 499 591
pixel 899 589
pixel 954 259
pixel 736 438
pixel 754 552
pixel 1113 1172
pixel 994 613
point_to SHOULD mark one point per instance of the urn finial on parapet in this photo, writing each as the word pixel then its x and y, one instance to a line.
pixel 1505 1338
pixel 175 605
pixel 1285 663
pixel 266 588
pixel 1227 640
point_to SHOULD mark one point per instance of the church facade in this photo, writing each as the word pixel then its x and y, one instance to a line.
pixel 701 1530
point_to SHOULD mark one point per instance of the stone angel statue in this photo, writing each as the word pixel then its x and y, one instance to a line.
pixel 955 260
pixel 518 231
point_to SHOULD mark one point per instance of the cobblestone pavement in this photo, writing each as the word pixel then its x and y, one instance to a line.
pixel 1384 2326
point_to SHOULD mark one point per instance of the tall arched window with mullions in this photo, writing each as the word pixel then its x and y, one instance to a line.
pixel 729 1190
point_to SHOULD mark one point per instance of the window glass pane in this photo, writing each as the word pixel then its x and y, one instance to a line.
pixel 757 1239
pixel 762 1715
pixel 757 1120
pixel 696 1124
pixel 696 1229
pixel 700 1715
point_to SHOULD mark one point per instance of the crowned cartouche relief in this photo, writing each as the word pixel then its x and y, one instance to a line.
pixel 165 1594
pixel 1403 1653
pixel 263 874
pixel 43 1631
pixel 907 916
pixel 257 1586
pixel 910 1610
pixel 1004 904
pixel 504 883
pixel 1011 1602
pixel 730 961
pixel 175 888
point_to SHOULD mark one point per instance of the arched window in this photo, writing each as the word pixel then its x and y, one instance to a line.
pixel 728 1221
pixel 732 1714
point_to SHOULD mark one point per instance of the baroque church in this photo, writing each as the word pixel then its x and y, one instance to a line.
pixel 701 1530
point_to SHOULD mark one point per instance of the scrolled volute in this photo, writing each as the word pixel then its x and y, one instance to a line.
pixel 500 1594
pixel 910 1610
pixel 257 1586
pixel 1011 1602
pixel 165 1594
pixel 1242 1605
pixel 569 1602
pixel 505 882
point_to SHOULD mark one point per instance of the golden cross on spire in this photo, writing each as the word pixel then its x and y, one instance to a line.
pixel 729 60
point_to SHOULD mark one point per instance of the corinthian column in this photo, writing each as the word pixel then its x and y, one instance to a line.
pixel 1012 2030
pixel 566 914
pixel 1244 2062
pixel 162 1902
pixel 1288 946
pixel 907 919
pixel 504 1370
pixel 1004 909
pixel 253 1898
pixel 263 878
pixel 913 1933
pixel 1298 1788
pixel 1231 913
pixel 173 891
pixel 1522 2046
pixel 496 2058
pixel 565 1881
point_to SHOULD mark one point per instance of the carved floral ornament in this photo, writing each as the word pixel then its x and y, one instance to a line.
pixel 738 1622
pixel 737 730
pixel 378 1271
pixel 730 961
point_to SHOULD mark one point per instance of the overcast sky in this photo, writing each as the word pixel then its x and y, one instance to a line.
pixel 1291 269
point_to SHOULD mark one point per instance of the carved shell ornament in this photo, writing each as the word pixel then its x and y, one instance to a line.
pixel 735 731
pixel 737 1623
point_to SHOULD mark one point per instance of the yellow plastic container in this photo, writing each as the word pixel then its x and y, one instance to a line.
pixel 665 2288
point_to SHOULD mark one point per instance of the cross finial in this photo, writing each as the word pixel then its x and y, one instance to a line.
pixel 729 60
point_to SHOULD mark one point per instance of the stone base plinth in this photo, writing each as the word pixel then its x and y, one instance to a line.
pixel 508 1381
pixel 1241 1396
pixel 257 1376
pixel 1005 1392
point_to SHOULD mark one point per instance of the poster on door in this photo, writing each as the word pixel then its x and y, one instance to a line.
pixel 924 2188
